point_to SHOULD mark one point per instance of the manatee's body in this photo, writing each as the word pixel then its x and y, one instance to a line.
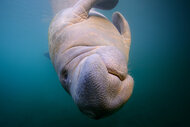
pixel 90 55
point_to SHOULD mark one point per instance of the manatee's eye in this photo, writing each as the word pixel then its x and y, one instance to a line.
pixel 64 76
pixel 64 80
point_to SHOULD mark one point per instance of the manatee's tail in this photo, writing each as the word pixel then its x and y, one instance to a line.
pixel 86 5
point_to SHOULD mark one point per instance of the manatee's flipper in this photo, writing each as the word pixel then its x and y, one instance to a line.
pixel 58 5
pixel 123 27
pixel 84 6
pixel 106 4
pixel 47 55
pixel 93 12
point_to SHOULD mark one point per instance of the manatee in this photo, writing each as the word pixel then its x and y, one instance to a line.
pixel 90 55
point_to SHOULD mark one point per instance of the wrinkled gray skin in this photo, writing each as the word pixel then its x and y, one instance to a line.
pixel 90 56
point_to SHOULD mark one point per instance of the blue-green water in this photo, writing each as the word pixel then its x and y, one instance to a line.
pixel 30 92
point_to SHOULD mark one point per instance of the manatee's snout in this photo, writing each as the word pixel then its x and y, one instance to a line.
pixel 103 84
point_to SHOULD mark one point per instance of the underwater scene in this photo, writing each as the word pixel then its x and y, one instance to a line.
pixel 31 94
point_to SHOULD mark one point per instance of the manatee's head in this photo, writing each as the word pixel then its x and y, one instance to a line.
pixel 97 79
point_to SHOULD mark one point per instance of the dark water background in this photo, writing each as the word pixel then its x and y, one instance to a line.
pixel 31 95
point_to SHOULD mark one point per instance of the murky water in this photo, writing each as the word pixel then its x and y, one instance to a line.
pixel 30 92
